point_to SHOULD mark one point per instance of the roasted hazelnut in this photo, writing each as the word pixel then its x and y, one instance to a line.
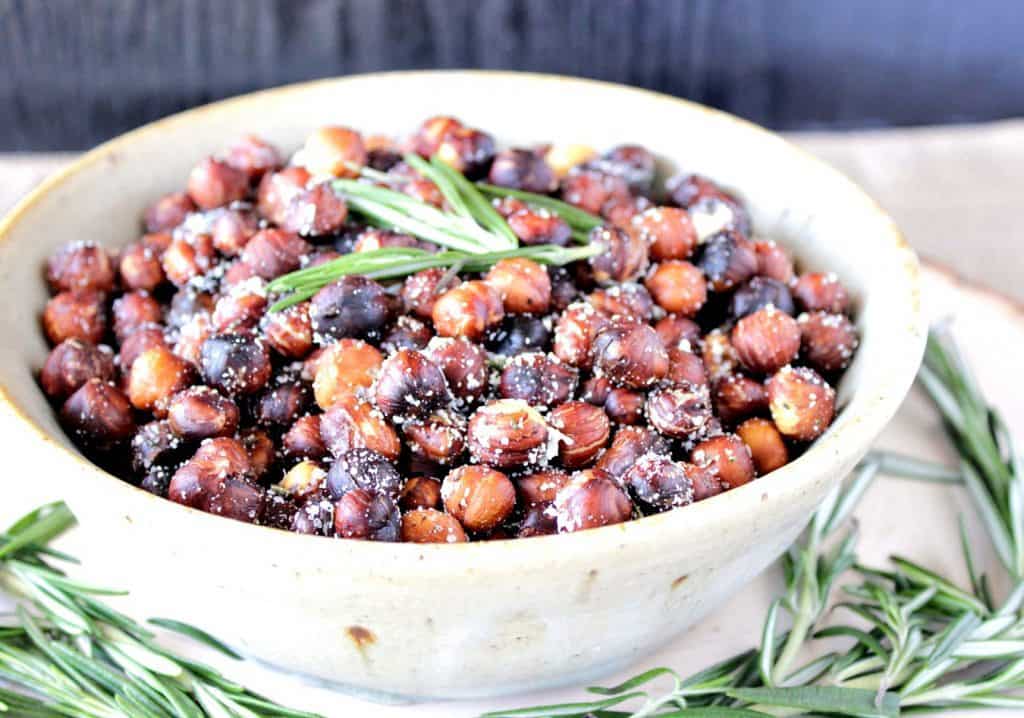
pixel 158 242
pixel 191 337
pixel 71 364
pixel 425 191
pixel 773 262
pixel 801 402
pixel 353 306
pixel 144 337
pixel 79 266
pixel 727 260
pixel 468 310
pixel 727 458
pixel 409 385
pixel 712 215
pixel 241 308
pixel 767 448
pixel 538 379
pixel 439 439
pixel 421 290
pixel 678 287
pixel 625 406
pixel 467 150
pixel 766 340
pixel 139 267
pixel 315 517
pixel 633 163
pixel 168 212
pixel 273 252
pixel 620 211
pixel 507 433
pixel 349 366
pixel 668 230
pixel 595 390
pixel 186 303
pixel 420 492
pixel 373 238
pixel 737 396
pixel 155 446
pixel 188 257
pixel 431 133
pixel 674 329
pixel 278 189
pixel 289 332
pixel 591 189
pixel 261 449
pixel 759 293
pixel 332 150
pixel 479 497
pixel 629 444
pixel 316 211
pixel 564 157
pixel 685 367
pixel 538 520
pixel 431 526
pixel 590 500
pixel 354 424
pixel 659 482
pixel 522 169
pixel 366 515
pixel 232 229
pixel 519 333
pixel 623 257
pixel 156 375
pixel 575 332
pixel 563 289
pixel 821 292
pixel 75 315
pixel 363 468
pixel 252 155
pixel 718 354
pixel 217 480
pixel 199 412
pixel 679 411
pixel 522 284
pixel 584 430
pixel 463 363
pixel 630 354
pixel 98 415
pixel 214 183
pixel 539 226
pixel 828 341
pixel 133 310
pixel 406 333
pixel 686 189
pixel 540 488
pixel 629 301
pixel 303 440
pixel 235 363
pixel 283 403
pixel 303 481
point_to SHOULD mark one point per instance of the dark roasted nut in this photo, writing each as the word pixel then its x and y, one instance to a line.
pixel 278 189
pixel 828 341
pixel 191 337
pixel 439 439
pixel 629 444
pixel 353 306
pixel 590 500
pixel 235 363
pixel 425 191
pixel 354 424
pixel 801 402
pixel 674 329
pixel 633 163
pixel 232 229
pixel 199 412
pixel 592 189
pixel 538 379
pixel 479 497
pixel 625 406
pixel 186 303
pixel 314 518
pixel 623 257
pixel 283 403
pixel 363 468
pixel 71 364
pixel 575 332
pixel 133 310
pixel 468 310
pixel 668 230
pixel 290 332
pixel 767 448
pixel 316 211
pixel 367 515
pixel 75 315
pixel 727 260
pixel 759 293
pixel 584 430
pixel 431 526
pixel 421 290
pixel 522 169
pixel 373 238
pixel 467 150
pixel 621 211
pixel 406 333
pixel 523 285
pixel 217 480
pixel 685 367
pixel 563 289
pixel 538 520
pixel 519 333
pixel 679 411
pixel 727 458
pixel 303 481
pixel 773 262
pixel 630 354
pixel 157 241
pixel 659 482
pixel 766 340
pixel 540 487
pixel 332 150
pixel 431 133
pixel 821 292
pixel 144 337
pixel 253 156
pixel 156 375
pixel 213 183
pixel 678 287
pixel 168 212
pixel 139 267
pixel 303 440
pixel 420 492
pixel 98 415
pixel 463 363
pixel 686 189
pixel 508 433
pixel 705 483
pixel 188 257
pixel 737 396
pixel 78 266
pixel 261 449
pixel 630 301
pixel 712 214
pixel 241 308
pixel 538 226
pixel 409 385
pixel 595 390
pixel 718 354
pixel 347 367
pixel 156 447
pixel 273 252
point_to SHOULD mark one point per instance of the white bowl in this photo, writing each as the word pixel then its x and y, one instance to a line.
pixel 478 619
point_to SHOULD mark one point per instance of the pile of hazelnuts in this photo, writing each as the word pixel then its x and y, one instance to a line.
pixel 686 359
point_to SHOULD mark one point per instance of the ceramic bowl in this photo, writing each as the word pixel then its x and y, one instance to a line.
pixel 478 619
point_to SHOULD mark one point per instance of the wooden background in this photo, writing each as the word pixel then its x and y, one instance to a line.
pixel 75 72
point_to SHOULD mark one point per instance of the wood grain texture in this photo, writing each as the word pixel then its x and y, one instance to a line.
pixel 74 72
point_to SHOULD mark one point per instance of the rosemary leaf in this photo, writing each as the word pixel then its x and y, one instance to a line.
pixel 577 218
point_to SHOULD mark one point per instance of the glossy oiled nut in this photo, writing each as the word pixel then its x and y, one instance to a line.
pixel 145 337
pixel 523 285
pixel 188 257
pixel 674 330
pixel 132 310
pixel 98 415
pixel 189 345
pixel 261 449
pixel 737 396
pixel 625 406
pixel 668 230
pixel 353 306
pixel 232 229
pixel 773 262
pixel 214 183
pixel 821 292
pixel 439 439
pixel 252 155
pixel 273 252
pixel 290 332
pixel 828 341
pixel 685 367
pixel 659 482
pixel 463 363
pixel 71 364
pixel 540 488
pixel 236 364
pixel 538 379
pixel 679 411
pixel 333 150
pixel 633 163
pixel 628 300
pixel 155 448
pixel 479 497
pixel 277 190
pixel 406 333
pixel 354 424
pixel 78 315
pixel 678 287
pixel 727 458
pixel 421 290
pixel 431 526
pixel 767 448
pixel 467 310
pixel 168 212
pixel 583 432
pixel 575 332
pixel 718 354
pixel 200 412
pixel 409 385
pixel 590 500
pixel 727 260
pixel 801 402
pixel 629 444
pixel 156 375
pixel 304 480
pixel 522 169
pixel 78 266
pixel 760 292
pixel 623 256
pixel 139 267
pixel 468 150
pixel 348 366
pixel 282 403
pixel 592 189
pixel 303 440
pixel 538 226
pixel 367 515
pixel 374 238
pixel 508 433
pixel 420 492
pixel 630 354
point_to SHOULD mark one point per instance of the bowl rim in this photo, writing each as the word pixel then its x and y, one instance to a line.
pixel 482 556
